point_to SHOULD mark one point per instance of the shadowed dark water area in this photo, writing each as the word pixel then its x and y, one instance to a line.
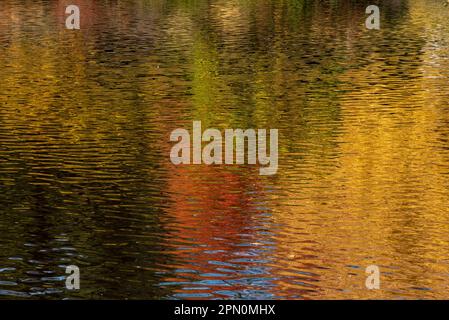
pixel 86 178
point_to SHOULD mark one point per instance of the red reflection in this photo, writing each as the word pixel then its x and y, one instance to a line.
pixel 215 213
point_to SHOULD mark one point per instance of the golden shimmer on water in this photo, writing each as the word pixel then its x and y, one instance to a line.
pixel 86 178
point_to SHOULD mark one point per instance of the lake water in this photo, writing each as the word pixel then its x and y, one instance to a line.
pixel 86 178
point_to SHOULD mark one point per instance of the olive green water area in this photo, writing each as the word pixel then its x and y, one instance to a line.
pixel 86 178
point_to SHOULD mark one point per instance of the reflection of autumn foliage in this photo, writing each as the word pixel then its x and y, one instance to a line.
pixel 362 116
pixel 215 220
pixel 210 202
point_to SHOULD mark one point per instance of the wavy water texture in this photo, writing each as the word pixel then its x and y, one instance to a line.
pixel 86 178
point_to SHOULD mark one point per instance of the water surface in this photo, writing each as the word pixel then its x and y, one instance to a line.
pixel 86 179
